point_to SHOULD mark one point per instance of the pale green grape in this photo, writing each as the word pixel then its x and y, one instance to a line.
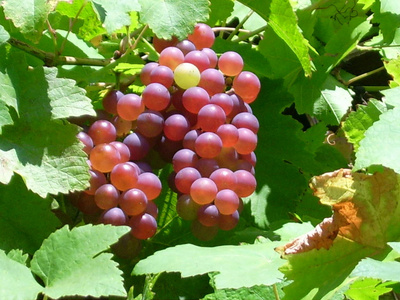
pixel 186 75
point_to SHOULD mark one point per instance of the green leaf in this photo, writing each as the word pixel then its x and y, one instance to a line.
pixel 173 18
pixel 114 16
pixel 392 67
pixel 387 15
pixel 392 97
pixel 258 292
pixel 367 289
pixel 16 280
pixel 4 35
pixel 232 263
pixel 18 256
pixel 280 16
pixel 383 270
pixel 73 262
pixel 253 22
pixel 386 134
pixel 30 16
pixel 25 218
pixel 359 121
pixel 220 10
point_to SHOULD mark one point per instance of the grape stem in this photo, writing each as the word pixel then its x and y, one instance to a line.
pixel 234 32
pixel 250 34
pixel 275 292
pixel 362 76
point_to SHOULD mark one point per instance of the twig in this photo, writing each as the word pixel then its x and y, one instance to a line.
pixel 275 291
pixel 362 76
pixel 236 30
pixel 139 36
pixel 250 34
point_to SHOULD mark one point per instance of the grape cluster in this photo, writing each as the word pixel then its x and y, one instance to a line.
pixel 194 112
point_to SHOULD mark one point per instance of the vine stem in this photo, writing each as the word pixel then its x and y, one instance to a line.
pixel 50 59
pixel 221 29
pixel 250 34
pixel 236 30
pixel 362 76
pixel 275 292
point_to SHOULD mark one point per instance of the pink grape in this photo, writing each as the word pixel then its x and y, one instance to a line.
pixel 160 44
pixel 110 101
pixel 184 158
pixel 156 97
pixel 194 98
pixel 186 46
pixel 187 208
pixel 247 85
pixel 227 201
pixel 150 184
pixel 247 141
pixel 230 63
pixel 102 131
pixel 114 216
pixel 143 226
pixel 185 178
pixel 96 180
pixel 224 101
pixel 190 138
pixel 124 176
pixel 210 117
pixel 203 233
pixel 223 178
pixel 208 145
pixel 106 196
pixel 146 71
pixel 123 127
pixel 104 157
pixel 229 134
pixel 171 57
pixel 202 36
pixel 150 123
pixel 245 183
pixel 133 202
pixel 162 75
pixel 238 106
pixel 246 120
pixel 86 141
pixel 130 106
pixel 206 166
pixel 199 59
pixel 123 150
pixel 203 190
pixel 228 222
pixel 208 215
pixel 167 148
pixel 176 126
pixel 213 81
pixel 138 145
pixel 152 209
pixel 211 56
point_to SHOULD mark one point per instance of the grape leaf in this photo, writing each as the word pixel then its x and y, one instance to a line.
pixel 4 35
pixel 387 15
pixel 367 289
pixel 258 292
pixel 30 16
pixel 253 264
pixel 360 120
pixel 44 151
pixel 392 97
pixel 25 218
pixel 16 280
pixel 383 270
pixel 73 262
pixel 386 133
pixel 253 22
pixel 392 67
pixel 219 11
pixel 173 18
pixel 280 16
pixel 18 256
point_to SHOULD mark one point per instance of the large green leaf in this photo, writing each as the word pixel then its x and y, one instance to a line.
pixel 73 262
pixel 42 149
pixel 220 10
pixel 16 280
pixel 30 16
pixel 169 18
pixel 387 15
pixel 280 16
pixel 25 218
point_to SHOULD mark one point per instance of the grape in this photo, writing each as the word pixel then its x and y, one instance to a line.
pixel 160 44
pixel 223 178
pixel 152 209
pixel 176 126
pixel 199 59
pixel 230 63
pixel 114 216
pixel 176 99
pixel 227 201
pixel 204 233
pixel 210 117
pixel 208 215
pixel 133 202
pixel 212 81
pixel 227 158
pixel 171 57
pixel 162 75
pixel 247 85
pixel 247 141
pixel 238 106
pixel 241 164
pixel 156 97
pixel 104 157
pixel 96 180
pixel 130 106
pixel 102 131
pixel 123 127
pixel 206 166
pixel 124 176
pixel 190 138
pixel 245 183
pixel 146 71
pixel 143 166
pixel 122 149
pixel 212 57
pixel 150 123
pixel 110 101
pixel 87 205
pixel 86 141
pixel 195 98
pixel 186 46
pixel 149 184
pixel 106 196
pixel 208 145
pixel 228 134
pixel 187 208
pixel 251 158
pixel 185 178
pixel 202 36
pixel 167 148
pixel 228 222
pixel 186 75
pixel 203 190
pixel 224 101
pixel 127 247
pixel 246 120
pixel 143 226
pixel 138 145
pixel 184 158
